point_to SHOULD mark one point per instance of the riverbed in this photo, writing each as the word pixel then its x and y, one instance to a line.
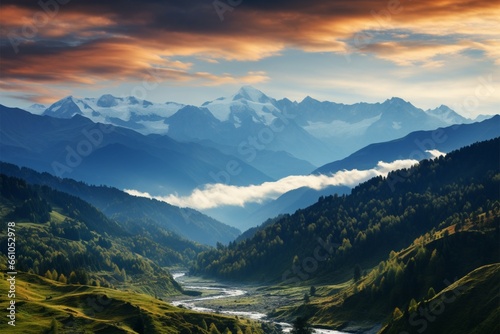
pixel 213 291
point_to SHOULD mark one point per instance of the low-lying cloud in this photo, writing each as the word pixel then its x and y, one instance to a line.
pixel 435 153
pixel 217 195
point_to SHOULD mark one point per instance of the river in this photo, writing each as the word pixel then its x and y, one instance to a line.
pixel 228 292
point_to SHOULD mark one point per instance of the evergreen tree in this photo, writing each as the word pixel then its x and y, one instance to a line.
pixel 62 279
pixel 213 329
pixel 204 325
pixel 54 327
pixel 123 274
pixel 412 307
pixel 82 276
pixel 431 293
pixel 55 275
pixel 306 298
pixel 301 326
pixel 397 313
pixel 72 278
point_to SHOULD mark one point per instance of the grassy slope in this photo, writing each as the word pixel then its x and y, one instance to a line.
pixel 152 282
pixel 469 306
pixel 87 309
pixel 39 242
pixel 347 306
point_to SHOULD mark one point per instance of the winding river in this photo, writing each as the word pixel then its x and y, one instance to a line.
pixel 228 292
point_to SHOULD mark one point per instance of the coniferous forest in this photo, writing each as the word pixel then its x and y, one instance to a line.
pixel 401 239
pixel 423 240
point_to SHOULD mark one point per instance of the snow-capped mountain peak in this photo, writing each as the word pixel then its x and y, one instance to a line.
pixel 396 101
pixel 65 108
pixel 341 127
pixel 308 99
pixel 107 101
pixel 447 115
pixel 140 115
pixel 250 93
pixel 36 109
pixel 397 107
pixel 248 103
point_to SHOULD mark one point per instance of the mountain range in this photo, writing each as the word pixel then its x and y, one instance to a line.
pixel 250 124
pixel 416 144
pixel 80 149
pixel 375 255
pixel 143 215
pixel 413 146
pixel 245 139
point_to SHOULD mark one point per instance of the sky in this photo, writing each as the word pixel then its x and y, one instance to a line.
pixel 428 52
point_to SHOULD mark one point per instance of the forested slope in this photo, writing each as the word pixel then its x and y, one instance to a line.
pixel 380 215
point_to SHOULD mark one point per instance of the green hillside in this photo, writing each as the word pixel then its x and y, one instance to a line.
pixel 379 216
pixel 354 262
pixel 80 271
pixel 45 306
pixel 61 237
pixel 429 265
pixel 469 306
pixel 176 250
pixel 359 259
pixel 157 220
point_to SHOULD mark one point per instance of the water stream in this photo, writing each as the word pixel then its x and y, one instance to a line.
pixel 228 292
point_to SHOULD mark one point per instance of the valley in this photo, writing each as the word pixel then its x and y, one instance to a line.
pixel 46 306
pixel 249 167
pixel 364 244
pixel 245 301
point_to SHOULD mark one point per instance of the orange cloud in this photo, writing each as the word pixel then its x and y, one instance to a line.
pixel 32 92
pixel 250 78
pixel 406 54
pixel 91 41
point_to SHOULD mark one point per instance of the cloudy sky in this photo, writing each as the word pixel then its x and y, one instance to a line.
pixel 429 52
